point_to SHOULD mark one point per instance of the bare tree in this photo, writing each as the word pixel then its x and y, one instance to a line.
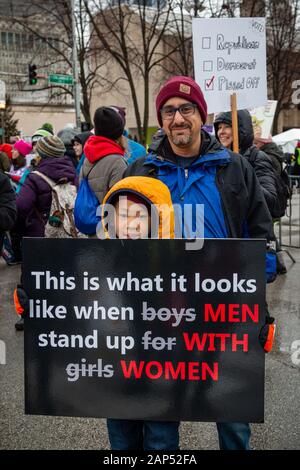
pixel 133 36
pixel 160 46
pixel 180 40
pixel 283 52
pixel 283 40
pixel 50 19
pixel 283 47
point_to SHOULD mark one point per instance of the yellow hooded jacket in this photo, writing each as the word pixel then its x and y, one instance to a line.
pixel 154 192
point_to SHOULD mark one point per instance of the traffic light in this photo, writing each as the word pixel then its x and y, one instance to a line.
pixel 32 75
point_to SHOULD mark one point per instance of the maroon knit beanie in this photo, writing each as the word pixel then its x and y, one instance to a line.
pixel 183 87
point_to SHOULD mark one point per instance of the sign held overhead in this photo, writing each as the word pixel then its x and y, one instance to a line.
pixel 230 57
pixel 262 118
pixel 2 95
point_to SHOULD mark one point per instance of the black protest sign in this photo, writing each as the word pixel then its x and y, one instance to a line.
pixel 145 329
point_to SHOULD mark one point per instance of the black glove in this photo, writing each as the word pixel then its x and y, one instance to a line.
pixel 21 301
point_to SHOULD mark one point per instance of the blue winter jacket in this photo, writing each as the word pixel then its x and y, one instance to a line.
pixel 240 206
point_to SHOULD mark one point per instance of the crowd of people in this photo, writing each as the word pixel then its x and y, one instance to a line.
pixel 242 194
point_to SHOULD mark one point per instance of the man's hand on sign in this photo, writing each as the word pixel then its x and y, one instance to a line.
pixel 267 334
pixel 21 301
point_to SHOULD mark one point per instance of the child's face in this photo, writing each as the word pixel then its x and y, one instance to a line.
pixel 132 219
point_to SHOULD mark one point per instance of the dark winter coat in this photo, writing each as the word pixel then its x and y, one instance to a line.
pixel 275 154
pixel 34 199
pixel 243 203
pixel 8 208
pixel 70 154
pixel 261 163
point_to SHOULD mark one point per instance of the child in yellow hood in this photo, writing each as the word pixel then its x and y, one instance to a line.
pixel 142 209
pixel 138 207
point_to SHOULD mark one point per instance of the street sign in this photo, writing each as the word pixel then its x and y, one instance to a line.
pixel 230 57
pixel 61 79
pixel 2 95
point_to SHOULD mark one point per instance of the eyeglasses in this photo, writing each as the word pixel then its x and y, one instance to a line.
pixel 186 110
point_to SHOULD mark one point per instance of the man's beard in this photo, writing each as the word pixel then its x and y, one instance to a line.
pixel 180 140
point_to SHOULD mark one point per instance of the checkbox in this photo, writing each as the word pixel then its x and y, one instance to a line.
pixel 206 43
pixel 209 84
pixel 207 66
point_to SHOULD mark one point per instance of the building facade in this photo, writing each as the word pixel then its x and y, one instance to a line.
pixel 289 116
pixel 20 47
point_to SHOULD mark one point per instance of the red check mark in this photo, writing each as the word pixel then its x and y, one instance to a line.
pixel 208 83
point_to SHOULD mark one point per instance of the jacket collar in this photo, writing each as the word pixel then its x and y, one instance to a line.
pixel 211 152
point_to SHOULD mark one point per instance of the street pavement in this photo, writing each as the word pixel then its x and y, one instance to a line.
pixel 281 429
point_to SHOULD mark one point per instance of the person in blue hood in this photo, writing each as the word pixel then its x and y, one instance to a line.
pixel 198 170
pixel 78 145
pixel 135 150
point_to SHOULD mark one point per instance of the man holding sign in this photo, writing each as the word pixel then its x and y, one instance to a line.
pixel 199 171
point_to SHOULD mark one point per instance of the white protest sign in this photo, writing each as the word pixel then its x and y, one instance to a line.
pixel 2 95
pixel 230 57
pixel 262 119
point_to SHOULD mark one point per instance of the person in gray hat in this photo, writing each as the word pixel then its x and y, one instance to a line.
pixel 67 135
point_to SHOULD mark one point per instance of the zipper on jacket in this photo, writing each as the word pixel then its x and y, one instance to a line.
pixel 186 173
